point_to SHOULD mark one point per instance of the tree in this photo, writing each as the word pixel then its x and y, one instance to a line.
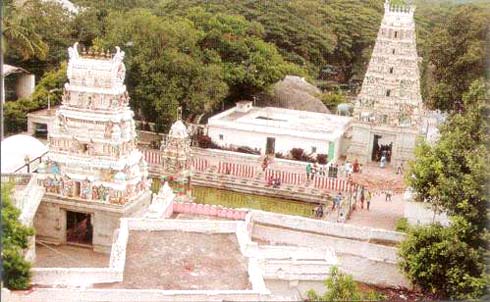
pixel 16 274
pixel 456 55
pixel 439 261
pixel 35 39
pixel 16 112
pixel 341 287
pixel 453 174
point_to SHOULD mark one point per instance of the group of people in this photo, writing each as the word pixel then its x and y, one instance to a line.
pixel 332 170
pixel 383 150
pixel 313 170
pixel 274 182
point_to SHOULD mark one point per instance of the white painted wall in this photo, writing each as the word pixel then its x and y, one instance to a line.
pixel 284 143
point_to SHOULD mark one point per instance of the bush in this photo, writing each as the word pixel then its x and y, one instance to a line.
pixel 332 100
pixel 435 259
pixel 297 153
pixel 16 270
pixel 341 287
pixel 280 155
pixel 322 159
pixel 402 225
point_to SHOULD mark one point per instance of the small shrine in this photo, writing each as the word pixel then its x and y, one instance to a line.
pixel 93 161
pixel 176 158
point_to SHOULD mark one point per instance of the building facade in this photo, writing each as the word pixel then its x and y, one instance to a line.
pixel 272 130
pixel 94 174
pixel 388 111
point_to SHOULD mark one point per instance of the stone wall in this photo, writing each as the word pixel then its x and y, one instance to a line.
pixel 131 295
pixel 209 210
pixel 326 228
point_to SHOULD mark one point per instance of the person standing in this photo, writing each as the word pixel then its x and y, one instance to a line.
pixel 368 201
pixel 314 170
pixel 308 171
pixel 388 195
pixel 362 198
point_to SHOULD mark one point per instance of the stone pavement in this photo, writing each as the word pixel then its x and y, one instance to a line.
pixel 381 214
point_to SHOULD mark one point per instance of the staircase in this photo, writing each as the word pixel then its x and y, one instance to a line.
pixel 28 200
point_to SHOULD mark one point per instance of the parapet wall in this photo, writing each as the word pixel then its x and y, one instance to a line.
pixel 209 210
pixel 346 231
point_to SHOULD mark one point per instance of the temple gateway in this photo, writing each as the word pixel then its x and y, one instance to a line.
pixel 388 110
pixel 94 174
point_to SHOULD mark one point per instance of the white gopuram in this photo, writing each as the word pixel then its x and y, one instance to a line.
pixel 95 174
pixel 388 111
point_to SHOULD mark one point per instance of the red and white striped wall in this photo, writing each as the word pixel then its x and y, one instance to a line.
pixel 333 184
pixel 240 170
pixel 200 164
pixel 286 177
pixel 152 157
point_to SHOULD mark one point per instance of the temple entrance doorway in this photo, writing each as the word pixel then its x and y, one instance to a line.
pixel 79 228
pixel 380 148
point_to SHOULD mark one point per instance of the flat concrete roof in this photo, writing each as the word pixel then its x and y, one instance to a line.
pixel 175 260
pixel 293 122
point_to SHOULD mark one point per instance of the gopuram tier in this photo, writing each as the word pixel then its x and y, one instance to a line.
pixel 388 111
pixel 93 164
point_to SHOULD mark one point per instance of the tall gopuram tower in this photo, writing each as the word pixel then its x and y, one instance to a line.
pixel 95 175
pixel 388 110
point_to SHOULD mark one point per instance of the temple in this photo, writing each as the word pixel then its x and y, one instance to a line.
pixel 94 174
pixel 388 110
pixel 177 158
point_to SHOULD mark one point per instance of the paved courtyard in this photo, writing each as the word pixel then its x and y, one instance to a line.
pixel 183 260
pixel 68 256
pixel 382 214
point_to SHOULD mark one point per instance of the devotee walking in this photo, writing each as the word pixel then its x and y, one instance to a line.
pixel 399 170
pixel 388 195
pixel 362 198
pixel 308 171
pixel 369 196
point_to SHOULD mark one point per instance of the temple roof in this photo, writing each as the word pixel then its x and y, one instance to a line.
pixel 178 130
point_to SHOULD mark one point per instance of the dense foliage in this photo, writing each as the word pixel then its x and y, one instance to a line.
pixel 15 236
pixel 15 113
pixel 452 176
pixel 455 56
pixel 203 55
pixel 342 287
pixel 441 262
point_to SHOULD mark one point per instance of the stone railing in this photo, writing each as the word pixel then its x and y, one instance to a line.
pixel 118 251
pixel 209 210
pixel 16 178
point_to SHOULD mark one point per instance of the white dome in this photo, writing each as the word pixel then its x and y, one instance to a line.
pixel 14 150
pixel 178 130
